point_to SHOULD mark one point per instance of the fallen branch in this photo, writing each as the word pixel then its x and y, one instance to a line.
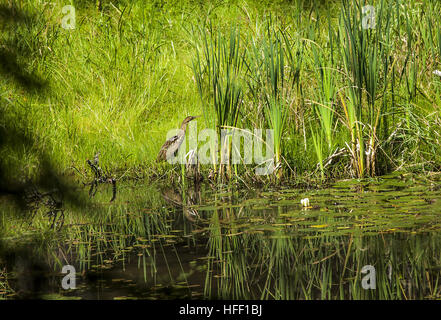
pixel 99 178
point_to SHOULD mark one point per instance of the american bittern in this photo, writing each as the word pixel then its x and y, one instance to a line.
pixel 171 146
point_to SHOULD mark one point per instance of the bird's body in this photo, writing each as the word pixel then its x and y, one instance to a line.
pixel 171 146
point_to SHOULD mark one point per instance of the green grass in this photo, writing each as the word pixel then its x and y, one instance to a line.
pixel 131 71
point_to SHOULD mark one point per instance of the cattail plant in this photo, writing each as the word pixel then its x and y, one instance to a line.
pixel 218 76
pixel 274 72
pixel 324 107
pixel 366 62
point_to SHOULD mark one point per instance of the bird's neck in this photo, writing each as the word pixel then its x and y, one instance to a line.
pixel 184 126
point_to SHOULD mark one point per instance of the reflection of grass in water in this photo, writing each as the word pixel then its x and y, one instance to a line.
pixel 264 260
pixel 5 288
pixel 123 227
pixel 329 268
pixel 261 248
pixel 232 277
pixel 283 263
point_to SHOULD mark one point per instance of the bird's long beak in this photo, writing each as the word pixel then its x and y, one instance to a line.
pixel 196 117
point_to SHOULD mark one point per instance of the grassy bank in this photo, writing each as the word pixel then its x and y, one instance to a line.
pixel 343 101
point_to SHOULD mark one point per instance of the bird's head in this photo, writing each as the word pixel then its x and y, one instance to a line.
pixel 189 118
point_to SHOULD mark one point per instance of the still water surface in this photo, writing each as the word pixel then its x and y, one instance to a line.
pixel 204 243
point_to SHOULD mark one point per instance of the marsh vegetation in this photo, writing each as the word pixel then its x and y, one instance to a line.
pixel 355 116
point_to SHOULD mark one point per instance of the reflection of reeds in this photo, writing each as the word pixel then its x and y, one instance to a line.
pixel 5 287
pixel 285 267
pixel 270 258
pixel 265 253
pixel 227 267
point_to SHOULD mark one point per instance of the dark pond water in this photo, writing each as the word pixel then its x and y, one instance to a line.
pixel 204 243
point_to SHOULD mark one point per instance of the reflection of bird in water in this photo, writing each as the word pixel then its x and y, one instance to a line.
pixel 171 146
pixel 171 196
pixel 175 198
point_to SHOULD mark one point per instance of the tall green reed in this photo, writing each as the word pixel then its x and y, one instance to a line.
pixel 276 109
pixel 218 76
pixel 366 55
pixel 274 68
pixel 324 104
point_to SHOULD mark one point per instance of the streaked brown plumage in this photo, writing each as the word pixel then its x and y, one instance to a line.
pixel 171 146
